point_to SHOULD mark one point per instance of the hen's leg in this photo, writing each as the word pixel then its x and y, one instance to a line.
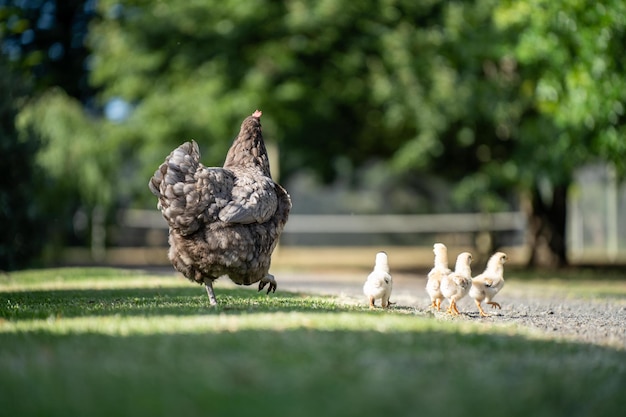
pixel 268 279
pixel 208 284
pixel 480 309
pixel 493 304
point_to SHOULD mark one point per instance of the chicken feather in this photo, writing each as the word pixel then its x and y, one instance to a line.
pixel 457 284
pixel 222 221
pixel 439 271
pixel 379 283
pixel 486 285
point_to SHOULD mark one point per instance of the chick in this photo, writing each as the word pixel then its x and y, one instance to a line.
pixel 439 271
pixel 457 284
pixel 379 282
pixel 486 285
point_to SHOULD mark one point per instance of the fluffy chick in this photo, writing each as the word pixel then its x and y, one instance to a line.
pixel 457 284
pixel 379 282
pixel 436 274
pixel 486 285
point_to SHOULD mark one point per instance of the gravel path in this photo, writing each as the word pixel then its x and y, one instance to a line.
pixel 550 311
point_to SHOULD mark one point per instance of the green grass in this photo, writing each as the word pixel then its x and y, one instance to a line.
pixel 104 342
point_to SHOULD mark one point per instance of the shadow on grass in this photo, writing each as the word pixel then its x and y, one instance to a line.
pixel 307 372
pixel 41 304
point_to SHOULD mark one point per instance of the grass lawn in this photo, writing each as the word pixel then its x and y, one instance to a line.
pixel 106 342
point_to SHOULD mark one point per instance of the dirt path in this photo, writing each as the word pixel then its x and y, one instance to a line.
pixel 552 311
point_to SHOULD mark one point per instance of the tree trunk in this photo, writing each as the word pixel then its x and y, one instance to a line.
pixel 547 228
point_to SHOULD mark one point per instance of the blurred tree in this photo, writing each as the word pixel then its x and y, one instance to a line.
pixel 338 80
pixel 470 91
pixel 20 239
pixel 572 73
pixel 45 40
pixel 41 47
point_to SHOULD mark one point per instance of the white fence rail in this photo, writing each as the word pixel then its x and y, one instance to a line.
pixel 346 223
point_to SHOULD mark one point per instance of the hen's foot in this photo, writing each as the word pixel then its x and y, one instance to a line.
pixel 493 304
pixel 270 281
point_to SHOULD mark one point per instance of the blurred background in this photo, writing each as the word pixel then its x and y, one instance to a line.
pixel 483 124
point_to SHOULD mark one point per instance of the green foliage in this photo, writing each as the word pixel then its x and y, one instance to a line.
pixel 41 47
pixel 572 69
pixel 44 41
pixel 126 343
pixel 492 95
pixel 382 80
pixel 76 152
pixel 20 211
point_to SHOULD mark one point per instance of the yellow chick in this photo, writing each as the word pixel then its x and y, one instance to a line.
pixel 486 285
pixel 436 274
pixel 379 282
pixel 456 285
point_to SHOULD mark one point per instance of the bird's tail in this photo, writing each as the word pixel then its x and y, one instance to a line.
pixel 179 166
pixel 174 184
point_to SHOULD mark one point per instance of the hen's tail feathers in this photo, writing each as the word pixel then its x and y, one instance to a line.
pixel 175 186
pixel 179 165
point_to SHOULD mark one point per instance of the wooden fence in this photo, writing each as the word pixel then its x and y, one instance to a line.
pixel 140 238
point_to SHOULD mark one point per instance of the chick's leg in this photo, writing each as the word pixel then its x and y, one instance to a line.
pixel 452 309
pixel 372 305
pixel 493 304
pixel 208 284
pixel 438 304
pixel 480 309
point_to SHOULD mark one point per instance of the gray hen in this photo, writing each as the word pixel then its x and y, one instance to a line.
pixel 223 221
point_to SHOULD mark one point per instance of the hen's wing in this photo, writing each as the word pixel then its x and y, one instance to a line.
pixel 253 199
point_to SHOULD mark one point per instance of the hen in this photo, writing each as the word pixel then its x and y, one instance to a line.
pixel 456 285
pixel 379 283
pixel 486 285
pixel 436 274
pixel 223 221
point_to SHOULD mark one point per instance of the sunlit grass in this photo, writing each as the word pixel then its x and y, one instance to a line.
pixel 103 342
